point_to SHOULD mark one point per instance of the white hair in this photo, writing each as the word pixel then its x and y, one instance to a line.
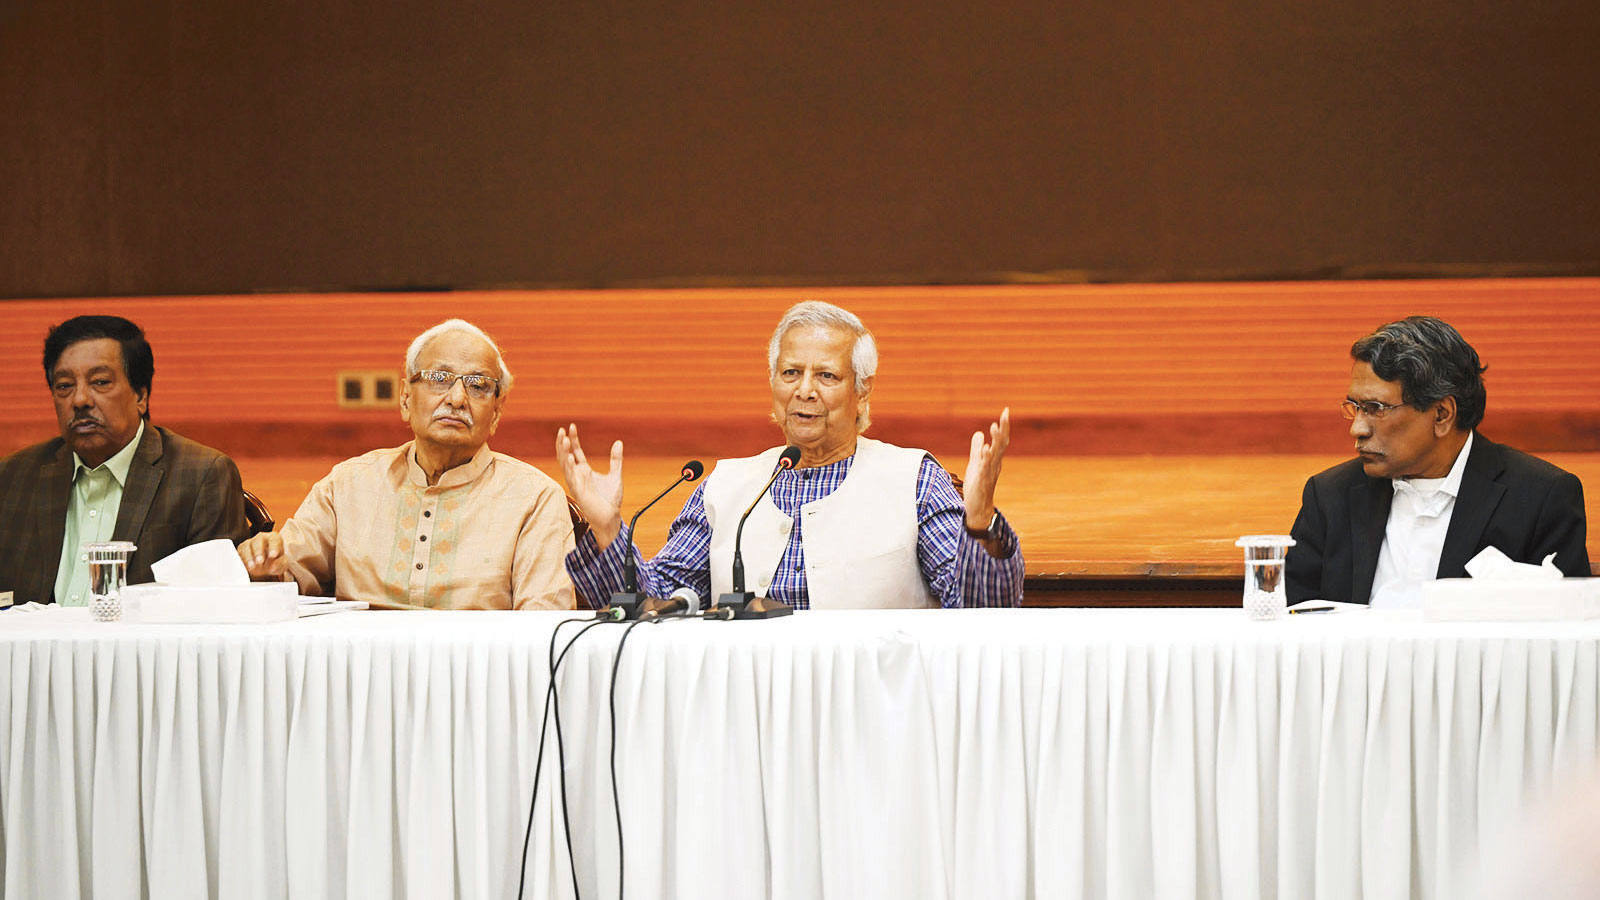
pixel 817 314
pixel 465 327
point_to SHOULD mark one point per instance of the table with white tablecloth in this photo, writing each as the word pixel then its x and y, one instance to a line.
pixel 985 753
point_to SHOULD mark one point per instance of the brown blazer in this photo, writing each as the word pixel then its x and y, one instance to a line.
pixel 178 493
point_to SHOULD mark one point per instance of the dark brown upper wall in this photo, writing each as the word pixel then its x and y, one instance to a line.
pixel 178 147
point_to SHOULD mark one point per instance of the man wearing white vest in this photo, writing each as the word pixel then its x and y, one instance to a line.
pixel 857 524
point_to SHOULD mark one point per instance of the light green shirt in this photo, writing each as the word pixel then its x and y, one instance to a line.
pixel 91 516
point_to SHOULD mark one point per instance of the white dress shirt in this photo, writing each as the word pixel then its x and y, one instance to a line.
pixel 1419 516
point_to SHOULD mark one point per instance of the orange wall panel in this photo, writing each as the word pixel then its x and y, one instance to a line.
pixel 1135 353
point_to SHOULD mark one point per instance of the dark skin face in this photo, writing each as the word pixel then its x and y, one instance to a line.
pixel 1406 442
pixel 97 408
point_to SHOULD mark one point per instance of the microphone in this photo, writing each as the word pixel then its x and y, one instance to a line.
pixel 630 597
pixel 745 604
pixel 691 600
pixel 786 461
pixel 684 600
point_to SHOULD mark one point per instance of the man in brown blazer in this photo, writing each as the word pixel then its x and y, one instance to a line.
pixel 110 475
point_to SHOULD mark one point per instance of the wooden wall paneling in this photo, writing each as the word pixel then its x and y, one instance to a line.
pixel 1124 368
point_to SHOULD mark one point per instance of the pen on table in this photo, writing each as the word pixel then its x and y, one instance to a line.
pixel 1311 609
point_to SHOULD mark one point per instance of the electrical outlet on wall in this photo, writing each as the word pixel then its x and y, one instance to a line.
pixel 367 389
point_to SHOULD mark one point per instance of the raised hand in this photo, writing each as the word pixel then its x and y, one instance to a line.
pixel 599 497
pixel 983 470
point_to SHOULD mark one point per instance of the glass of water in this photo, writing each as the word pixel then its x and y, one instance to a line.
pixel 1264 594
pixel 108 572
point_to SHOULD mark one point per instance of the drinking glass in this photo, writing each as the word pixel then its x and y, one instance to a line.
pixel 1264 595
pixel 108 572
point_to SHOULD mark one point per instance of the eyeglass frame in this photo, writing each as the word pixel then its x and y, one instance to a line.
pixel 1372 409
pixel 443 387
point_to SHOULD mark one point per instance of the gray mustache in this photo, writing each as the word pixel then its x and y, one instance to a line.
pixel 464 415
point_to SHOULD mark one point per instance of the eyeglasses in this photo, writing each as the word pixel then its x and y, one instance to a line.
pixel 479 387
pixel 1372 409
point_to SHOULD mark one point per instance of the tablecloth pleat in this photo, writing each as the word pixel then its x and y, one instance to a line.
pixel 1176 756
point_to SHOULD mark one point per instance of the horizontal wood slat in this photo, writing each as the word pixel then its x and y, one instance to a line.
pixel 1100 353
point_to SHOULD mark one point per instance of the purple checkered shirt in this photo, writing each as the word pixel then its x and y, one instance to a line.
pixel 955 567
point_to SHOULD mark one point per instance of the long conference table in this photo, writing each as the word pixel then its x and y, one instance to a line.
pixel 1005 754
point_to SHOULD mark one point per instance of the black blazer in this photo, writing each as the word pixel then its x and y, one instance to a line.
pixel 178 493
pixel 1522 505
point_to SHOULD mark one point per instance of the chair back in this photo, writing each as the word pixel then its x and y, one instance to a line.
pixel 580 525
pixel 256 515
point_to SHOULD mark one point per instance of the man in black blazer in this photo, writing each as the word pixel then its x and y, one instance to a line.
pixel 161 491
pixel 1425 493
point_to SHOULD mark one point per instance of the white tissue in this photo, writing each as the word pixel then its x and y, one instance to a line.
pixel 1504 591
pixel 1492 565
pixel 266 601
pixel 206 564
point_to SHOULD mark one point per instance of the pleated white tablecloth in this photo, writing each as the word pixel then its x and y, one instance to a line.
pixel 1033 753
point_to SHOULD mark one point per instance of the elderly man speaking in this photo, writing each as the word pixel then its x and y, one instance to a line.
pixel 856 524
pixel 441 521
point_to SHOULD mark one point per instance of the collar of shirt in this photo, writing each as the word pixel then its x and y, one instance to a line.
pixel 119 463
pixel 1433 503
pixel 797 487
pixel 466 473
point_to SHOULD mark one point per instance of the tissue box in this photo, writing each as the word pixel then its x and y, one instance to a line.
pixel 274 601
pixel 1471 600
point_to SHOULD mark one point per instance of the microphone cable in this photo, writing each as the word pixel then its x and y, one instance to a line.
pixel 616 798
pixel 544 724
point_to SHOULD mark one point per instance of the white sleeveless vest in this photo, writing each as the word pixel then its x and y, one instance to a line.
pixel 860 540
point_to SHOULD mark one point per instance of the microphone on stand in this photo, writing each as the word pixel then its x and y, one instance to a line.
pixel 684 600
pixel 630 598
pixel 745 604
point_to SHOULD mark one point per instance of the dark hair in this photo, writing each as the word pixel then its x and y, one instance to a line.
pixel 1431 361
pixel 138 363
